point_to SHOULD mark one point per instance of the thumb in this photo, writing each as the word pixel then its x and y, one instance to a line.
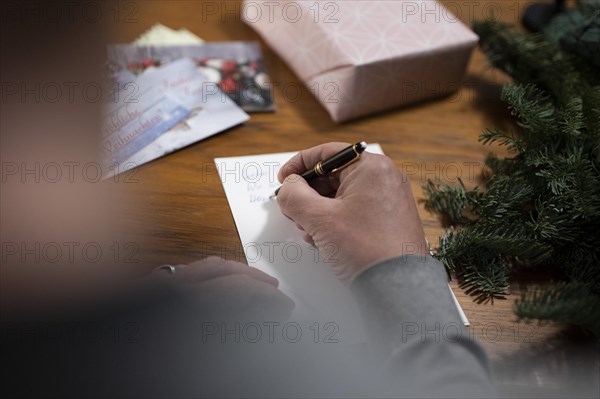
pixel 300 202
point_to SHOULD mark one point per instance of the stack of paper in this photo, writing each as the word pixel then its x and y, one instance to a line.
pixel 169 89
pixel 161 111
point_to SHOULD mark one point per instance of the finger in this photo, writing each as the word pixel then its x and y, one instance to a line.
pixel 241 293
pixel 215 267
pixel 307 159
pixel 259 275
pixel 309 240
pixel 300 202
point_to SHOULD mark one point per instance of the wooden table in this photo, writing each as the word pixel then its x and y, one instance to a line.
pixel 182 206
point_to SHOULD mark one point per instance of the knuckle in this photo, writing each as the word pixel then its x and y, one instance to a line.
pixel 384 168
pixel 386 165
pixel 289 168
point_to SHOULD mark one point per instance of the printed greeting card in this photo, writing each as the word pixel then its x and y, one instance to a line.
pixel 235 67
pixel 164 110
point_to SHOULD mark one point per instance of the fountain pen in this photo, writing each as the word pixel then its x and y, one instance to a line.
pixel 333 164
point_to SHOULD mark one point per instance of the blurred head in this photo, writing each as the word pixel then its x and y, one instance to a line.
pixel 58 219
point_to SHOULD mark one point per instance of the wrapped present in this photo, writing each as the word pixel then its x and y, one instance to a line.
pixel 362 57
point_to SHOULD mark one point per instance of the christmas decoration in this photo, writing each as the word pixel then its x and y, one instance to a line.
pixel 540 211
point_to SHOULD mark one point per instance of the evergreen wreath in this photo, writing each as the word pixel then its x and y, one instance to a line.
pixel 540 210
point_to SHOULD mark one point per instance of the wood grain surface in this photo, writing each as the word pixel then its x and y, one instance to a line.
pixel 180 209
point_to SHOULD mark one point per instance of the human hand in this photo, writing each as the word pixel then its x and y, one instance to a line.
pixel 367 210
pixel 228 287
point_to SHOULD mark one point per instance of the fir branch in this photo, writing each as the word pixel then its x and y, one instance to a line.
pixel 499 137
pixel 450 201
pixel 576 303
pixel 479 271
pixel 534 109
pixel 486 283
pixel 471 252
pixel 591 114
pixel 552 225
pixel 505 198
pixel 572 117
pixel 497 166
pixel 542 206
pixel 510 239
pixel 530 59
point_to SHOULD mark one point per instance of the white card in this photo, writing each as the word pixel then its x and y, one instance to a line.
pixel 273 244
pixel 160 34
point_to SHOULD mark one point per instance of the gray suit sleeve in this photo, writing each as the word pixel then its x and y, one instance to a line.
pixel 416 333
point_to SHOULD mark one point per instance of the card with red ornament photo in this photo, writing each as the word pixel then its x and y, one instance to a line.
pixel 235 67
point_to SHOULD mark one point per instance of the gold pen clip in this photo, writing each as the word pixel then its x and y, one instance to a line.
pixel 356 158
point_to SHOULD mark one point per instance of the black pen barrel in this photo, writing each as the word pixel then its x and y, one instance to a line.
pixel 338 161
pixel 310 174
pixel 342 158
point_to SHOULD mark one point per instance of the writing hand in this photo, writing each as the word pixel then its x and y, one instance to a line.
pixel 367 210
